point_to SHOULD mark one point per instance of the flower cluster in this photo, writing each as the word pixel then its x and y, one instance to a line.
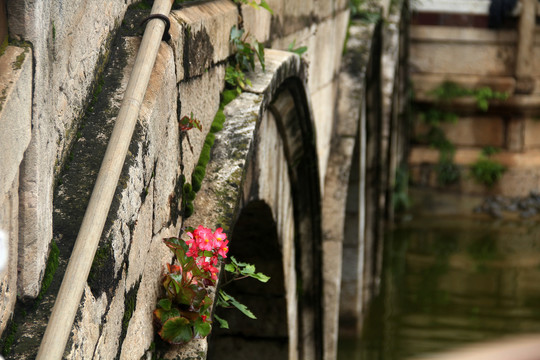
pixel 183 314
pixel 207 248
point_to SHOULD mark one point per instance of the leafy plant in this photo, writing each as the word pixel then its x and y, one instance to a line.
pixel 244 60
pixel 183 314
pixel 239 271
pixel 297 50
pixel 487 171
pixel 263 4
pixel 449 90
pixel 400 198
pixel 447 171
pixel 189 122
pixel 490 150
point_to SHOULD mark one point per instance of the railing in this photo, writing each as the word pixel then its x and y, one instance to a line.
pixel 76 275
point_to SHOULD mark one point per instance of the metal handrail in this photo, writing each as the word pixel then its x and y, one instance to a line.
pixel 76 275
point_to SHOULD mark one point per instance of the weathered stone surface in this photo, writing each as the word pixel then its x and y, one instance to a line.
pixel 15 128
pixel 325 62
pixel 155 153
pixel 257 22
pixel 15 111
pixel 530 139
pixel 200 36
pixel 140 239
pixel 65 68
pixel 515 134
pixel 200 96
pixel 85 331
pixel 291 16
pixel 140 331
pixel 471 131
pixel 482 52
pixel 111 323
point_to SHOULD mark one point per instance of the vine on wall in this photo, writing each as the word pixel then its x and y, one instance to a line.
pixel 486 171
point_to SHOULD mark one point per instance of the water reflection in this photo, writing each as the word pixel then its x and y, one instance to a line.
pixel 448 282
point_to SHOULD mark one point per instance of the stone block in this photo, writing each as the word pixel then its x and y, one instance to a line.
pixel 200 36
pixel 471 131
pixel 530 134
pixel 257 22
pixel 200 96
pixel 290 17
pixel 324 8
pixel 140 240
pixel 154 152
pixel 140 331
pixel 15 111
pixel 515 134
pixel 452 50
pixel 109 339
pixel 86 329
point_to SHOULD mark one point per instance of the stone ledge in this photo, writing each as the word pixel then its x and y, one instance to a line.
pixel 200 36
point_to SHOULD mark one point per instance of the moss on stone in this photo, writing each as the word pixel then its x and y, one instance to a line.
pixel 17 64
pixel 10 338
pixel 4 46
pixel 50 270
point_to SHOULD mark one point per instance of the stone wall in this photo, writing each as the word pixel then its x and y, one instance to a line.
pixel 475 58
pixel 65 96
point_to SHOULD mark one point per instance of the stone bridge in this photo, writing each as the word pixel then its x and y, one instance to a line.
pixel 300 177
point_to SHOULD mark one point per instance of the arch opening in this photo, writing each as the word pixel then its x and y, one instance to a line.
pixel 255 240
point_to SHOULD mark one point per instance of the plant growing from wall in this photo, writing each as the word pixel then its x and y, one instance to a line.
pixel 262 5
pixel 447 171
pixel 184 313
pixel 485 170
pixel 244 59
pixel 297 50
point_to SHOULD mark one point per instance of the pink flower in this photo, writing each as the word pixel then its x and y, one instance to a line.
pixel 223 249
pixel 220 235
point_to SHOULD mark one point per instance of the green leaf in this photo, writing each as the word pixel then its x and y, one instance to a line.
pixel 222 322
pixel 238 263
pixel 261 277
pixel 260 54
pixel 230 268
pixel 164 315
pixel 243 308
pixel 265 5
pixel 236 33
pixel 202 328
pixel 300 50
pixel 248 269
pixel 165 304
pixel 176 330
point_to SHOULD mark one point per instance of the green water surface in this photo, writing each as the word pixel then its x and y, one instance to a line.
pixel 447 282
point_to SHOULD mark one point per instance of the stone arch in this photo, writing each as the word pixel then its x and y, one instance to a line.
pixel 281 175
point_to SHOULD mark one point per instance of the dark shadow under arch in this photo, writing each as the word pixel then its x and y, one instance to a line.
pixel 254 240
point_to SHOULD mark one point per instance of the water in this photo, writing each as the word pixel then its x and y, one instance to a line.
pixel 447 282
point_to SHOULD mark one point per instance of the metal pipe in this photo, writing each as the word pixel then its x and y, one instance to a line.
pixel 70 293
